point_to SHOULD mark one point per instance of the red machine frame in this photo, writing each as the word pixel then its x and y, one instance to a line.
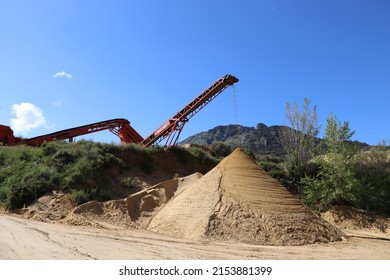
pixel 170 130
pixel 119 127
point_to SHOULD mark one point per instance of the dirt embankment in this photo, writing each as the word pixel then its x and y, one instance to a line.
pixel 359 223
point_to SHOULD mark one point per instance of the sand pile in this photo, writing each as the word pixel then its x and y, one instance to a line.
pixel 135 210
pixel 239 201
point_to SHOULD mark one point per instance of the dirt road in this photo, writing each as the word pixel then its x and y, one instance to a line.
pixel 27 239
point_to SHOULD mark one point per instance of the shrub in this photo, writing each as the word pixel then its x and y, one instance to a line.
pixel 334 184
pixel 130 182
pixel 373 173
pixel 33 182
pixel 4 194
pixel 79 196
pixel 201 154
pixel 220 149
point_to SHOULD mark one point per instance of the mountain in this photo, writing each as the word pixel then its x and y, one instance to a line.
pixel 260 140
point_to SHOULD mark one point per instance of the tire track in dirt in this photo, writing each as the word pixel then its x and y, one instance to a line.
pixel 27 239
pixel 22 239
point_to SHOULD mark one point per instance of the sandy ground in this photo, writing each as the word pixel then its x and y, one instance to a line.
pixel 235 211
pixel 27 239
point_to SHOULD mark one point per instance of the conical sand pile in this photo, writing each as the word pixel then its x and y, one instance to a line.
pixel 239 201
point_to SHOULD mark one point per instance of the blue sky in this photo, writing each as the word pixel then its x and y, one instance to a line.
pixel 70 63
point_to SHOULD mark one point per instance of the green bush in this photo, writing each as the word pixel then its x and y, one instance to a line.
pixel 202 155
pixel 373 173
pixel 334 184
pixel 31 183
pixel 4 194
pixel 130 182
pixel 220 149
pixel 79 196
pixel 49 148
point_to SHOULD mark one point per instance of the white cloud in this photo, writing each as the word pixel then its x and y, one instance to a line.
pixel 27 117
pixel 58 103
pixel 63 74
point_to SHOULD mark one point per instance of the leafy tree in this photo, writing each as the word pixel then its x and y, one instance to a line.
pixel 299 140
pixel 338 137
pixel 336 181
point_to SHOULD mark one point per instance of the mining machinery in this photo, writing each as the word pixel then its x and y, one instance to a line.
pixel 168 131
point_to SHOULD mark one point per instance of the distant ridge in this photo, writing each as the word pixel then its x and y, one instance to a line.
pixel 259 140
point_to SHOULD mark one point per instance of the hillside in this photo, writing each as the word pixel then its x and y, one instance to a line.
pixel 260 140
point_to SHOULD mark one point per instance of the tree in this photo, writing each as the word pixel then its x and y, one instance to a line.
pixel 299 140
pixel 336 181
pixel 338 137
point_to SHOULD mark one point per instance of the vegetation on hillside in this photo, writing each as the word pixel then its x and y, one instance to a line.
pixel 84 170
pixel 336 171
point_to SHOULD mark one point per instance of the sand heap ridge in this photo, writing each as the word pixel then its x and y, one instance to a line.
pixel 239 201
pixel 133 211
